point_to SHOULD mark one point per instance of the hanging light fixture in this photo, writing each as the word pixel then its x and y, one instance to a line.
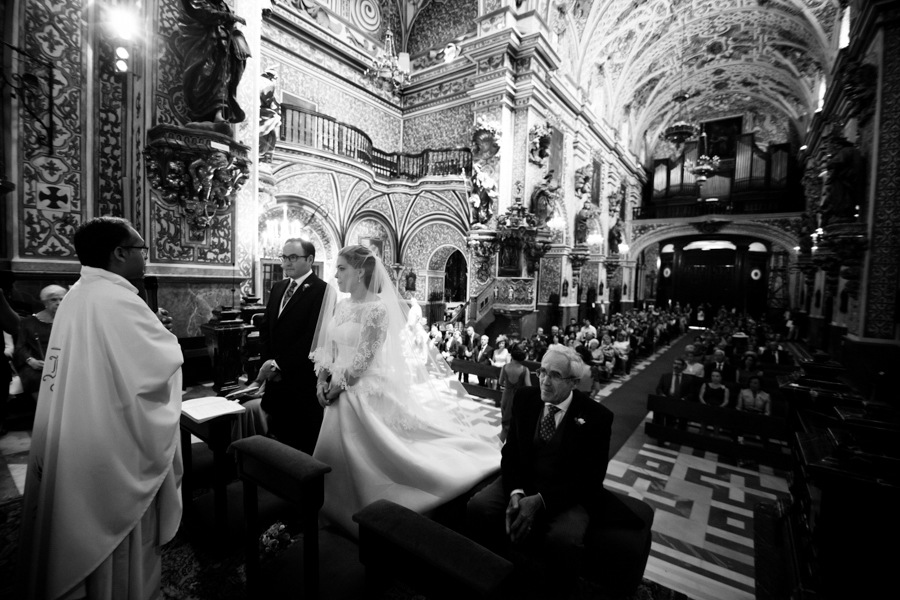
pixel 594 239
pixel 389 68
pixel 682 129
pixel 706 165
pixel 556 222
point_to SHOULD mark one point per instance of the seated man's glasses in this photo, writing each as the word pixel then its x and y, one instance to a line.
pixel 553 375
pixel 292 257
pixel 145 250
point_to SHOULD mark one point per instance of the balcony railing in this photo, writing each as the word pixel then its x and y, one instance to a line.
pixel 700 209
pixel 313 130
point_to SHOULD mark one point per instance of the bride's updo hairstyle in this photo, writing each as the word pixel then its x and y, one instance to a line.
pixel 360 257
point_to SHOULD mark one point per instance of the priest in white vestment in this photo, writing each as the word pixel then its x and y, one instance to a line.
pixel 102 491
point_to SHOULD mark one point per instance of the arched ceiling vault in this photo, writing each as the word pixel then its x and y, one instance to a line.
pixel 631 57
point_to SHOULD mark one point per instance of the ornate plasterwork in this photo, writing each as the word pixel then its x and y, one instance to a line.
pixel 373 229
pixel 439 22
pixel 51 189
pixel 776 231
pixel 550 278
pixel 447 128
pixel 438 260
pixel 425 241
pixel 884 258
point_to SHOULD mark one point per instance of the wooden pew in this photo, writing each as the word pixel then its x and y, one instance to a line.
pixel 479 370
pixel 734 421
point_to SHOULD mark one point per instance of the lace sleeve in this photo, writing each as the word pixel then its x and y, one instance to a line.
pixel 371 337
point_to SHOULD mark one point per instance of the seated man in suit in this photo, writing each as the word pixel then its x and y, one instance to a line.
pixel 774 354
pixel 483 355
pixel 552 471
pixel 719 363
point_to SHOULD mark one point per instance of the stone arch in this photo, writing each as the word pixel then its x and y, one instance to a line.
pixel 437 261
pixel 771 234
pixel 374 224
pixel 296 207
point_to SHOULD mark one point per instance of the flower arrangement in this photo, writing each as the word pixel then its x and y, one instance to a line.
pixel 274 539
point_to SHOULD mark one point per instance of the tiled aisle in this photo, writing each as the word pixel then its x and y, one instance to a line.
pixel 703 529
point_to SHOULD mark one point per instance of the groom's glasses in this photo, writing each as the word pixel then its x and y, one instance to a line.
pixel 292 257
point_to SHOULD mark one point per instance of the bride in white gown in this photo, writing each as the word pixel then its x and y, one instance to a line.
pixel 395 423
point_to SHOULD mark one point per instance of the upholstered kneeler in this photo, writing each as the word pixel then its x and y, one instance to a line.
pixel 616 547
pixel 395 542
pixel 293 476
pixel 616 552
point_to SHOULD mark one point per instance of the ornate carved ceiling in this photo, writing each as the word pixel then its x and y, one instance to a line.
pixel 732 56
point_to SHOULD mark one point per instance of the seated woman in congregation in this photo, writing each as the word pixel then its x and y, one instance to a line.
pixel 32 339
pixel 713 393
pixel 623 352
pixel 753 399
pixel 747 368
pixel 692 365
pixel 393 428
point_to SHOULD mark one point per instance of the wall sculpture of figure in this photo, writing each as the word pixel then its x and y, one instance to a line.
pixel 269 115
pixel 543 198
pixel 583 180
pixel 615 238
pixel 585 222
pixel 215 52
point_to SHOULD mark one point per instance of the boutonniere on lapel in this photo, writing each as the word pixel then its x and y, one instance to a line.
pixel 580 421
pixel 304 287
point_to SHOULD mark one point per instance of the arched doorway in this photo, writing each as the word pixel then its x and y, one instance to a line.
pixel 725 271
pixel 456 278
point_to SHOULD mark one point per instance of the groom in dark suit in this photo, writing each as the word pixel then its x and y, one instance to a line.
pixel 552 471
pixel 285 336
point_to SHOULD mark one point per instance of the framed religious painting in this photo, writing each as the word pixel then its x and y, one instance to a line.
pixel 374 244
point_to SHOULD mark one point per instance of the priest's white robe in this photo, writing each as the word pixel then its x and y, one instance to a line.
pixel 105 468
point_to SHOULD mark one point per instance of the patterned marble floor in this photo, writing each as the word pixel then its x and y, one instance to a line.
pixel 703 529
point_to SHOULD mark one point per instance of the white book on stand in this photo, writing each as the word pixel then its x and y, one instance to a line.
pixel 201 410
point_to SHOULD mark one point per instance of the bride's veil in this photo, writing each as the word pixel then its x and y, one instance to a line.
pixel 408 384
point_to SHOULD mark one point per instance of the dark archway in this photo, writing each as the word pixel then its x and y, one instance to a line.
pixel 456 278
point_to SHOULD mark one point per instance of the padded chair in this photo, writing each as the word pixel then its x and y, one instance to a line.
pixel 293 476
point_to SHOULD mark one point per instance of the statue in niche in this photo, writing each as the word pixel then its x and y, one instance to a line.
pixel 585 222
pixel 508 265
pixel 269 115
pixel 543 198
pixel 615 238
pixel 215 52
pixel 583 180
pixel 844 183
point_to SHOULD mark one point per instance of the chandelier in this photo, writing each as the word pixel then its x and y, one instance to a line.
pixel 556 223
pixel 277 228
pixel 594 239
pixel 705 165
pixel 389 69
pixel 682 129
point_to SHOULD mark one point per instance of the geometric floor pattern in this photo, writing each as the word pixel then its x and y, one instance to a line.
pixel 702 542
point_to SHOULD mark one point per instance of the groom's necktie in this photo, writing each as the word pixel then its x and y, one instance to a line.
pixel 287 295
pixel 548 423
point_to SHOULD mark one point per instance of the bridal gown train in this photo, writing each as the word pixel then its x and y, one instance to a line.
pixel 380 439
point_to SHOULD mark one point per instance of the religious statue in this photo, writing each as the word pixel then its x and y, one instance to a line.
pixel 482 196
pixel 583 180
pixel 615 238
pixel 585 222
pixel 215 52
pixel 843 189
pixel 543 198
pixel 269 115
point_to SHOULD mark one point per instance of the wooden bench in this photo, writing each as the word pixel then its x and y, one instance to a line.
pixel 395 542
pixel 479 370
pixel 736 422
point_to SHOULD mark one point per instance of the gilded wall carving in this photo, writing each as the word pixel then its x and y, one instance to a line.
pixel 169 107
pixel 51 190
pixel 447 128
pixel 110 116
pixel 440 22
